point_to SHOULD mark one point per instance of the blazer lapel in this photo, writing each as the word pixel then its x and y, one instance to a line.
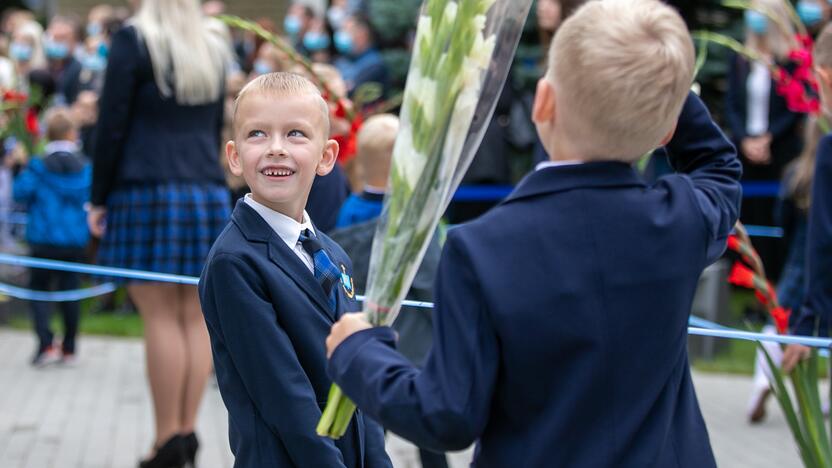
pixel 256 229
pixel 289 262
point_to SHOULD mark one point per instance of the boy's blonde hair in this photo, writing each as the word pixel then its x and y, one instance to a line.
pixel 281 84
pixel 60 124
pixel 823 48
pixel 621 70
pixel 375 146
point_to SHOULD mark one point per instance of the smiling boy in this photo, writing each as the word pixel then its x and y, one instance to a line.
pixel 273 285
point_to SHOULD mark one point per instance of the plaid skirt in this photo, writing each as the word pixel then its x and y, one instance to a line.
pixel 164 228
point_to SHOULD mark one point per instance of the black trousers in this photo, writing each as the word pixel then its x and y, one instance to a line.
pixel 45 280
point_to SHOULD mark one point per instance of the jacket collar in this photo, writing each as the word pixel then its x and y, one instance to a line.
pixel 255 229
pixel 562 178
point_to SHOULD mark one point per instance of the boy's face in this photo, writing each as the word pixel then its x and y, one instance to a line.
pixel 280 144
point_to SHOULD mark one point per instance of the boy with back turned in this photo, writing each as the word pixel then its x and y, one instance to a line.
pixel 560 327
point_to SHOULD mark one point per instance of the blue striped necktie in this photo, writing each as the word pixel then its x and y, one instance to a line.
pixel 326 272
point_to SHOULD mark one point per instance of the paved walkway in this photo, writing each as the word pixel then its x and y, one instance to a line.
pixel 98 414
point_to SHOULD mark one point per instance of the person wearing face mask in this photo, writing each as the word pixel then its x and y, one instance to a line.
pixel 766 133
pixel 814 14
pixel 296 24
pixel 59 46
pixel 360 60
pixel 26 52
pixel 317 41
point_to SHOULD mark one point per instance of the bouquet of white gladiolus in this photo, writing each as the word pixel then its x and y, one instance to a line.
pixel 462 53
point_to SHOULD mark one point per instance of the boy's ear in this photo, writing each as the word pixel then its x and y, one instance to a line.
pixel 669 135
pixel 544 108
pixel 330 155
pixel 233 158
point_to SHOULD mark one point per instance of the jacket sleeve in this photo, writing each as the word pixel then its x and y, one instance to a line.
pixel 115 108
pixel 445 405
pixel 238 310
pixel 704 155
pixel 23 187
pixel 815 314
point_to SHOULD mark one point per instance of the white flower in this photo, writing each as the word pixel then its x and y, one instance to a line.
pixel 449 15
pixel 482 50
pixel 409 162
pixel 478 22
pixel 422 90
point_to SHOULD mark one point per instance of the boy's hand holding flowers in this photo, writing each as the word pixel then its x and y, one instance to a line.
pixel 347 325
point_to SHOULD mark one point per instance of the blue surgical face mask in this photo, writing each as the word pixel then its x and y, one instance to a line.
pixel 810 12
pixel 93 29
pixel 20 51
pixel 94 62
pixel 55 50
pixel 343 42
pixel 756 22
pixel 291 24
pixel 261 67
pixel 315 41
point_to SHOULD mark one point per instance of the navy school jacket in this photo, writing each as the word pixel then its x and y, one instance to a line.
pixel 560 333
pixel 268 318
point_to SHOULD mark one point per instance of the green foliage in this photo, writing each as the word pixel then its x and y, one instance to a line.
pixel 392 20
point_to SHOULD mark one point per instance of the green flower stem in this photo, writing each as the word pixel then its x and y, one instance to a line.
pixel 294 56
pixel 337 414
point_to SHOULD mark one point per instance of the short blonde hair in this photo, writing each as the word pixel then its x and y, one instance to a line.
pixel 823 48
pixel 621 70
pixel 60 124
pixel 375 145
pixel 281 84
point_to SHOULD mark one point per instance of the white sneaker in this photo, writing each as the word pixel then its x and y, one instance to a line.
pixel 46 357
pixel 69 360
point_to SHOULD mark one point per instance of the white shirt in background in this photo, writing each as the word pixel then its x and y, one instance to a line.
pixel 758 90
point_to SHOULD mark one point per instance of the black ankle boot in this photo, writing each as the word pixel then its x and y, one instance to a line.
pixel 191 446
pixel 170 455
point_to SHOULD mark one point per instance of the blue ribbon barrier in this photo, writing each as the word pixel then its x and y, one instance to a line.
pixel 699 326
pixel 56 296
pixel 764 231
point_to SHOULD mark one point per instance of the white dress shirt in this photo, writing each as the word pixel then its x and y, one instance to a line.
pixel 286 228
pixel 758 89
pixel 545 164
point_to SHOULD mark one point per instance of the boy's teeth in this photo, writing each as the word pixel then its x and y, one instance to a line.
pixel 277 172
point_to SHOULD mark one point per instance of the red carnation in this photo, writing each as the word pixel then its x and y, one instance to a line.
pixel 32 122
pixel 781 319
pixel 741 276
pixel 734 243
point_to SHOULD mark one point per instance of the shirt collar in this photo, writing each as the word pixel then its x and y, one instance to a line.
pixel 60 146
pixel 286 228
pixel 545 164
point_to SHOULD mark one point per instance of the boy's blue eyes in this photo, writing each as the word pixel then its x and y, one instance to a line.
pixel 258 133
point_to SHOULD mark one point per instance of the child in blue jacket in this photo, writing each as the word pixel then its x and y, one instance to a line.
pixel 54 189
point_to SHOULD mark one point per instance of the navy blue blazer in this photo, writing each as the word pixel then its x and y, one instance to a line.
pixel 560 330
pixel 268 318
pixel 144 138
pixel 815 317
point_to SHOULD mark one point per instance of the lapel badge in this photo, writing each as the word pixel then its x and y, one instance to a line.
pixel 346 282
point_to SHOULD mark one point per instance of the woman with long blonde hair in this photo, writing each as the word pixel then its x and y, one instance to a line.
pixel 158 198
